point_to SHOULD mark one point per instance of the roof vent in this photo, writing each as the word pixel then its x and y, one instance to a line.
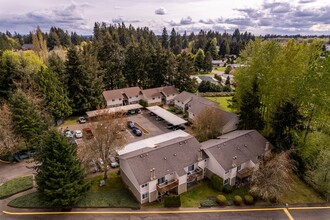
pixel 146 154
pixel 185 142
pixel 174 154
pixel 141 155
pixel 245 145
pixel 164 158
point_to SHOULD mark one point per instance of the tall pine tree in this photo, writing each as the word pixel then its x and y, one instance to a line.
pixel 60 176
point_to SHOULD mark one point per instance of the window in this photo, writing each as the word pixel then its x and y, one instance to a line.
pixel 144 185
pixel 191 168
pixel 130 97
pixel 144 195
pixel 153 98
pixel 226 181
pixel 119 99
pixel 239 167
pixel 259 157
pixel 161 180
pixel 136 96
pixel 227 172
pixel 113 100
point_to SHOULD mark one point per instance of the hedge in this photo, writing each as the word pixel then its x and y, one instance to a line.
pixel 216 94
pixel 238 200
pixel 217 183
pixel 222 200
pixel 172 201
pixel 227 189
pixel 248 199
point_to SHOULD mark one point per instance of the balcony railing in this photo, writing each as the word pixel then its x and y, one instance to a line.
pixel 194 174
pixel 167 185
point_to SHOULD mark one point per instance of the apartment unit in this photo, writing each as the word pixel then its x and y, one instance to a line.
pixel 194 105
pixel 133 95
pixel 170 166
pixel 235 155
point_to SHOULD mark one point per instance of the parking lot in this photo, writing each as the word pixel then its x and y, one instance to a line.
pixel 148 125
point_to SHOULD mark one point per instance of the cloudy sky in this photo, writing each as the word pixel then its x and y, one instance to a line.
pixel 256 16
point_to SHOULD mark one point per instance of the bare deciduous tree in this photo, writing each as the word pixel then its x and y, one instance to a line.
pixel 208 124
pixel 274 177
pixel 9 142
pixel 108 137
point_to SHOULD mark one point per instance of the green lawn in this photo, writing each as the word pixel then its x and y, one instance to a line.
pixel 221 68
pixel 14 186
pixel 70 121
pixel 114 194
pixel 301 193
pixel 223 102
pixel 203 74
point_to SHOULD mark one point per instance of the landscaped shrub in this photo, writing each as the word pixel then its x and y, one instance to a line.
pixel 209 202
pixel 248 199
pixel 178 111
pixel 222 200
pixel 227 189
pixel 217 183
pixel 143 103
pixel 238 200
pixel 172 109
pixel 172 201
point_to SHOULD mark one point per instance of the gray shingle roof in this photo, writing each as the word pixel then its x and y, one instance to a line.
pixel 118 93
pixel 167 157
pixel 169 90
pixel 184 96
pixel 152 93
pixel 245 144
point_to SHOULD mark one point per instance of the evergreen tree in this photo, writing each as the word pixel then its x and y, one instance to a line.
pixel 285 119
pixel 199 60
pixel 185 43
pixel 208 62
pixel 54 94
pixel 250 110
pixel 164 38
pixel 182 81
pixel 28 122
pixel 173 42
pixel 60 176
pixel 224 48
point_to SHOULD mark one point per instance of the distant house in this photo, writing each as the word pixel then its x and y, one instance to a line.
pixel 327 47
pixel 209 79
pixel 194 105
pixel 27 47
pixel 132 95
pixel 218 63
pixel 120 97
pixel 170 166
pixel 156 96
pixel 235 155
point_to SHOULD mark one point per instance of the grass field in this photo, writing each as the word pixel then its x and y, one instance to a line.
pixel 14 186
pixel 221 68
pixel 223 102
pixel 301 193
pixel 113 195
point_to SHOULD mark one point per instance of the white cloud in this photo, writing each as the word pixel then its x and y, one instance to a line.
pixel 160 11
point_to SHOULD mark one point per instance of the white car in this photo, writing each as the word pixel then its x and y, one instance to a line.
pixel 78 134
pixel 69 134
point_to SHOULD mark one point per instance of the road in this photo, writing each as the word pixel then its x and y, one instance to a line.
pixel 188 214
pixel 14 170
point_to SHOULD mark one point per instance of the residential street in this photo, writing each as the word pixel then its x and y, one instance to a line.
pixel 14 170
pixel 196 214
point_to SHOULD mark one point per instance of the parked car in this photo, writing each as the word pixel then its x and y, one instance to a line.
pixel 138 111
pixel 88 134
pixel 137 131
pixel 69 134
pixel 177 127
pixel 93 168
pixel 132 112
pixel 130 124
pixel 78 134
pixel 113 162
pixel 169 126
pixel 82 120
pixel 159 118
pixel 100 164
pixel 152 114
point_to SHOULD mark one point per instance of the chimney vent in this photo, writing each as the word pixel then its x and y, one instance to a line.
pixel 234 164
pixel 154 176
pixel 151 175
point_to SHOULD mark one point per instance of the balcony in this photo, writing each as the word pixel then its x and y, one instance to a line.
pixel 167 185
pixel 244 173
pixel 194 174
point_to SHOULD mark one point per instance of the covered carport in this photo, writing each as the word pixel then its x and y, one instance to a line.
pixel 166 115
pixel 124 108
